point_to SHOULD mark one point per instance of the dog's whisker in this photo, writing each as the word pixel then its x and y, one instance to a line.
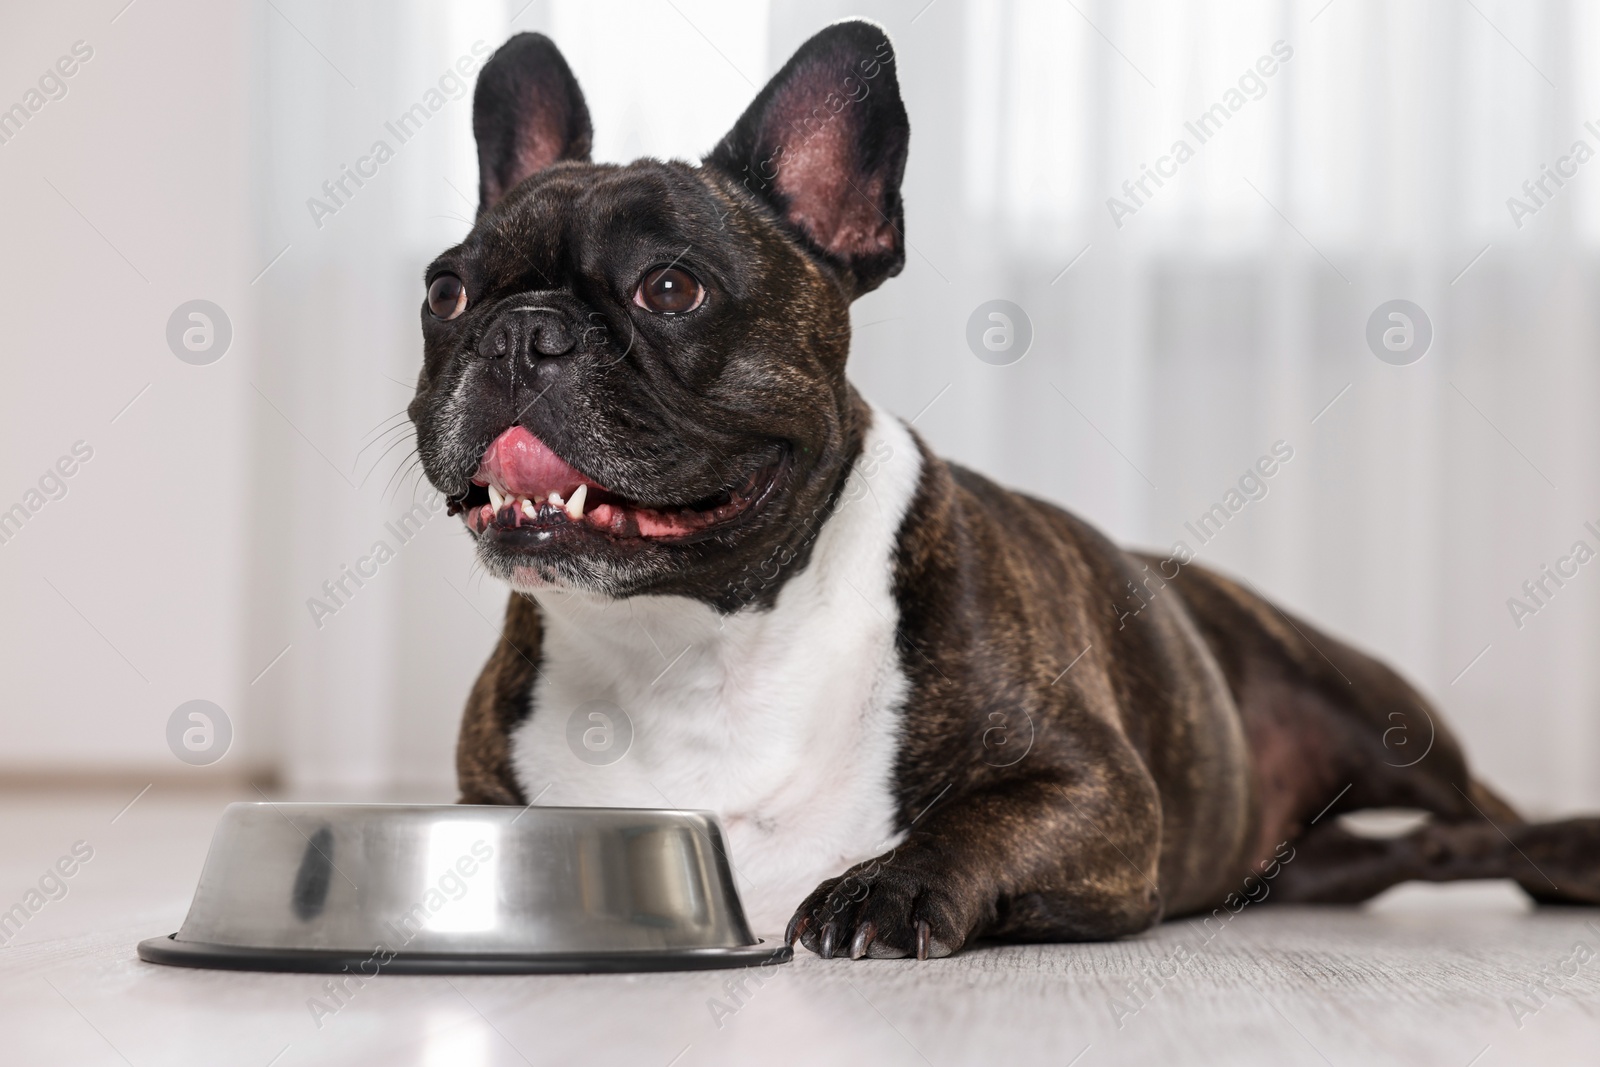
pixel 398 442
pixel 385 421
pixel 387 440
pixel 394 479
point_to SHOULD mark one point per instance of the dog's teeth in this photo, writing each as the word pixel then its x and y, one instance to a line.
pixel 555 498
pixel 496 499
pixel 529 508
pixel 575 505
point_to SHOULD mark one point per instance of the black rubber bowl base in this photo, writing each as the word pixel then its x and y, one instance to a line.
pixel 174 953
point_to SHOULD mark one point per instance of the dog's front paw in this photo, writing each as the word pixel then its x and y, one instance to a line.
pixel 882 910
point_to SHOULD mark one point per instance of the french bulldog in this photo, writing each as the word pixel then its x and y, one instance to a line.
pixel 915 699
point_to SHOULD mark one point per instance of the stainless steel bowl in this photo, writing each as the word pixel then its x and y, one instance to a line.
pixel 424 888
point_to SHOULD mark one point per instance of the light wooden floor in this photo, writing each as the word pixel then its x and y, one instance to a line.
pixel 1427 976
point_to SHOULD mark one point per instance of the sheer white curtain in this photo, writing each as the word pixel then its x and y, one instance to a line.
pixel 1368 152
pixel 1227 313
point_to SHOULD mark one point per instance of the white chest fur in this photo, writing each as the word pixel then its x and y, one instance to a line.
pixel 784 721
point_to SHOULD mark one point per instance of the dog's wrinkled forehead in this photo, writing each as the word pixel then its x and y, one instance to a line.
pixel 577 221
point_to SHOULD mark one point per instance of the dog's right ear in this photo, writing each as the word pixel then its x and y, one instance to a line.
pixel 824 146
pixel 527 113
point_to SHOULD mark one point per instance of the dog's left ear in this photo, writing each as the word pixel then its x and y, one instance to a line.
pixel 527 113
pixel 824 145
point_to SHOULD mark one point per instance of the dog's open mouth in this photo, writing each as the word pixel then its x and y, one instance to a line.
pixel 522 485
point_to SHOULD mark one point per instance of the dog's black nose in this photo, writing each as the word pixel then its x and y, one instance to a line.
pixel 528 332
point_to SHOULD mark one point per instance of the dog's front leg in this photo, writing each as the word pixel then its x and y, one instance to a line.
pixel 1029 859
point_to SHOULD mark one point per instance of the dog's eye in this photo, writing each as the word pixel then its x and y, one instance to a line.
pixel 447 297
pixel 669 291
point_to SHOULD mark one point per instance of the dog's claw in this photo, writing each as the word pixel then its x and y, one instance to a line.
pixel 863 940
pixel 796 930
pixel 924 939
pixel 830 933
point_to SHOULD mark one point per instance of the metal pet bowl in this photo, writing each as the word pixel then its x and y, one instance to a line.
pixel 437 888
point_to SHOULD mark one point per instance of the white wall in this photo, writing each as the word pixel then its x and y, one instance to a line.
pixel 123 199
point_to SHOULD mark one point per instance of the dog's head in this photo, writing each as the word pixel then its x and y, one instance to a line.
pixel 634 378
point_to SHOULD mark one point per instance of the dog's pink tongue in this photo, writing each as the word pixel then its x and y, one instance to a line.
pixel 521 464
